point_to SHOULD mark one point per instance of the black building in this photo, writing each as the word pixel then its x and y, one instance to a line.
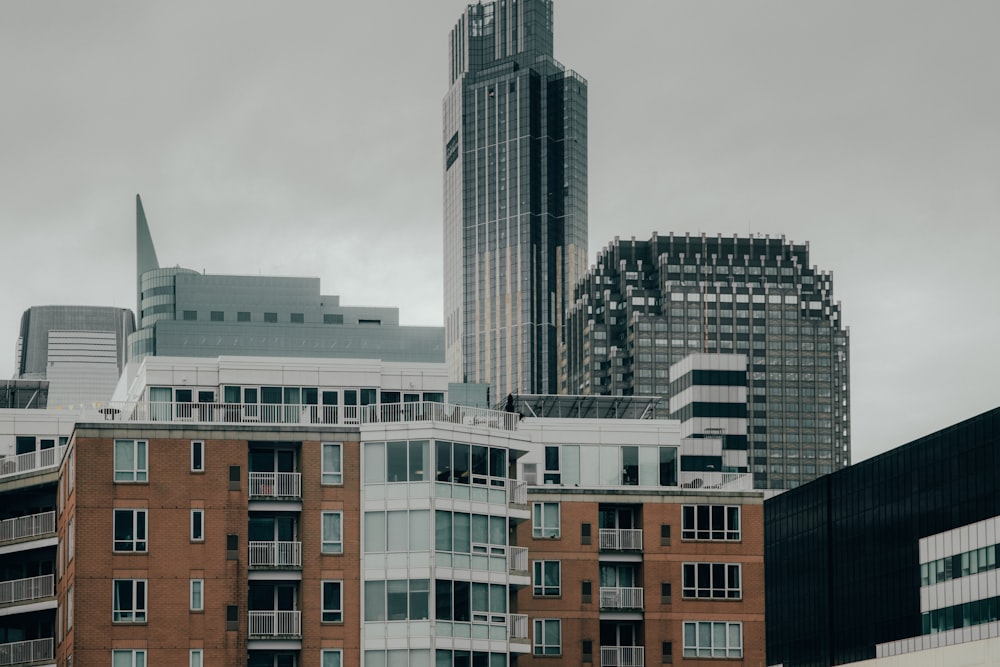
pixel 842 553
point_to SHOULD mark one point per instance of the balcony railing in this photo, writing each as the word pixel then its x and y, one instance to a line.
pixel 517 559
pixel 621 598
pixel 25 590
pixel 267 624
pixel 720 481
pixel 517 626
pixel 517 492
pixel 31 461
pixel 620 539
pixel 276 554
pixel 296 413
pixel 31 525
pixel 34 650
pixel 623 656
pixel 276 485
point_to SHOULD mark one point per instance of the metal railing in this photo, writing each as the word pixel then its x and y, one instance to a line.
pixel 621 598
pixel 517 626
pixel 620 539
pixel 31 461
pixel 276 485
pixel 31 525
pixel 517 492
pixel 623 656
pixel 297 413
pixel 517 559
pixel 33 650
pixel 23 590
pixel 276 554
pixel 716 481
pixel 275 624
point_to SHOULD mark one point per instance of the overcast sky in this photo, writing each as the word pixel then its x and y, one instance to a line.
pixel 304 138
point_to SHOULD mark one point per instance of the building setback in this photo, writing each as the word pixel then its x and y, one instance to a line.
pixel 890 557
pixel 515 196
pixel 647 304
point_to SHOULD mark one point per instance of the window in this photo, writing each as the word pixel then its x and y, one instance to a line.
pixel 333 472
pixel 298 318
pixel 242 316
pixel 552 472
pixel 190 314
pixel 333 602
pixel 546 577
pixel 271 317
pixel 217 316
pixel 130 461
pixel 547 640
pixel 197 456
pixel 403 599
pixel 197 658
pixel 71 533
pixel 197 595
pixel 712 580
pixel 333 541
pixel 710 639
pixel 331 658
pixel 711 522
pixel 130 530
pixel 545 520
pixel 128 658
pixel 69 608
pixel 129 601
pixel 331 318
pixel 197 525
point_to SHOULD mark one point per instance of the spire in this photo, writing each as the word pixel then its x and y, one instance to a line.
pixel 145 252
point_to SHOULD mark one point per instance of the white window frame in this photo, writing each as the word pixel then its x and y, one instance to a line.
pixel 538 586
pixel 711 533
pixel 332 477
pixel 329 545
pixel 339 610
pixel 538 527
pixel 199 447
pixel 331 653
pixel 138 473
pixel 70 540
pixel 196 657
pixel 695 650
pixel 538 645
pixel 135 542
pixel 196 600
pixel 136 657
pixel 692 588
pixel 200 523
pixel 69 608
pixel 137 613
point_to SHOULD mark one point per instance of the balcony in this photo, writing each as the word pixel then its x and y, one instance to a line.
pixel 17 591
pixel 276 554
pixel 517 560
pixel 623 656
pixel 26 527
pixel 31 461
pixel 620 539
pixel 27 653
pixel 517 492
pixel 517 627
pixel 276 485
pixel 716 481
pixel 621 598
pixel 275 625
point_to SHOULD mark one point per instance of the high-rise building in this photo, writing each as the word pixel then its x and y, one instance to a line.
pixel 515 196
pixel 647 304
pixel 80 350
pixel 191 314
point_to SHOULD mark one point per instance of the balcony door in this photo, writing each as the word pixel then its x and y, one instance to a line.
pixel 619 634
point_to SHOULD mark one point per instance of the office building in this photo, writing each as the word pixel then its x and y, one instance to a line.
pixel 80 350
pixel 646 305
pixel 186 313
pixel 515 196
pixel 892 560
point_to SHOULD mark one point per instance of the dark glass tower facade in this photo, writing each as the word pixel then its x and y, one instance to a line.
pixel 515 196
pixel 648 304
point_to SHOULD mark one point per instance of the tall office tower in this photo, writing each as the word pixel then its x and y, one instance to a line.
pixel 191 314
pixel 647 304
pixel 515 196
pixel 80 350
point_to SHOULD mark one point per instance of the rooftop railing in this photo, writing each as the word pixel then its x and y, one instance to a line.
pixel 36 461
pixel 717 481
pixel 24 527
pixel 240 413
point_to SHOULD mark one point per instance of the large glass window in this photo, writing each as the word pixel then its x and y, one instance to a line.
pixel 546 577
pixel 711 522
pixel 548 636
pixel 129 601
pixel 130 530
pixel 333 470
pixel 545 520
pixel 712 580
pixel 713 639
pixel 333 540
pixel 399 530
pixel 130 461
pixel 397 600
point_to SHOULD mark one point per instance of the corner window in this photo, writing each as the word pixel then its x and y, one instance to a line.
pixel 130 530
pixel 548 636
pixel 128 658
pixel 197 595
pixel 197 525
pixel 546 578
pixel 712 639
pixel 197 456
pixel 130 461
pixel 333 472
pixel 333 540
pixel 129 601
pixel 545 520
pixel 333 602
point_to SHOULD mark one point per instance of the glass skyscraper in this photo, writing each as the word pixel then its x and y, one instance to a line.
pixel 515 196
